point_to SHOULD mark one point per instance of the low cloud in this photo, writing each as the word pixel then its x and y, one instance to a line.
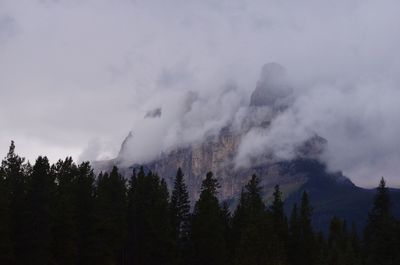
pixel 72 72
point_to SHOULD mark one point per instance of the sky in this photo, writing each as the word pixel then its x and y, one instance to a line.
pixel 77 75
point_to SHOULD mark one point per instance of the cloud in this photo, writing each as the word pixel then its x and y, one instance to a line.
pixel 75 71
pixel 153 113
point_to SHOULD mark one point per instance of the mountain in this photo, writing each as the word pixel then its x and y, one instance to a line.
pixel 330 193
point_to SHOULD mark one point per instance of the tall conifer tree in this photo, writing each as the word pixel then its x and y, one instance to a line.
pixel 110 218
pixel 64 245
pixel 207 233
pixel 15 182
pixel 39 214
pixel 180 214
pixel 252 227
pixel 280 228
pixel 380 241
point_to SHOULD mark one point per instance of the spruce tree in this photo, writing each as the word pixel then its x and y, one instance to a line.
pixel 336 243
pixel 6 249
pixel 207 233
pixel 294 236
pixel 252 227
pixel 150 237
pixel 380 239
pixel 227 219
pixel 64 245
pixel 110 218
pixel 280 228
pixel 83 201
pixel 341 245
pixel 180 215
pixel 39 214
pixel 307 253
pixel 14 175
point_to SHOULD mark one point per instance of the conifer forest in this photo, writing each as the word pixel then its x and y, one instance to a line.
pixel 63 213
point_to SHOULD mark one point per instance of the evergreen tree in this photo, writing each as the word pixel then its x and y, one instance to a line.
pixel 252 227
pixel 207 232
pixel 380 240
pixel 227 219
pixel 294 236
pixel 304 249
pixel 280 228
pixel 83 201
pixel 39 214
pixel 355 243
pixel 180 214
pixel 341 246
pixel 6 250
pixel 110 218
pixel 64 245
pixel 336 243
pixel 15 191
pixel 150 239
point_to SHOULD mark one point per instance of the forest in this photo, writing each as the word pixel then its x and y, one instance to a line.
pixel 64 214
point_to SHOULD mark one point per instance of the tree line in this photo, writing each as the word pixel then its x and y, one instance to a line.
pixel 65 214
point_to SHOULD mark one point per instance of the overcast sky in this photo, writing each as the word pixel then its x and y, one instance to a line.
pixel 77 75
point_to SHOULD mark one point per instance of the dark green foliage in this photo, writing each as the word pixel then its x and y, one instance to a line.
pixel 64 245
pixel 63 215
pixel 381 243
pixel 109 218
pixel 303 248
pixel 252 227
pixel 294 236
pixel 150 236
pixel 83 203
pixel 6 249
pixel 39 214
pixel 342 247
pixel 14 187
pixel 280 234
pixel 180 216
pixel 209 244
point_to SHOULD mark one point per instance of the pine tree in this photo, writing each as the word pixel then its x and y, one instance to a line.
pixel 180 215
pixel 336 243
pixel 207 232
pixel 83 201
pixel 65 245
pixel 280 228
pixel 302 239
pixel 380 239
pixel 307 253
pixel 150 237
pixel 341 246
pixel 110 218
pixel 15 184
pixel 6 249
pixel 39 214
pixel 227 219
pixel 252 227
pixel 294 236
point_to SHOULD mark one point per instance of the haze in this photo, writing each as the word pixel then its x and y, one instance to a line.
pixel 76 76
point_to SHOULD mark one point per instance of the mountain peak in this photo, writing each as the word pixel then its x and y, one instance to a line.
pixel 272 87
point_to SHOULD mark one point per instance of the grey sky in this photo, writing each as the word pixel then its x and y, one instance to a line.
pixel 76 76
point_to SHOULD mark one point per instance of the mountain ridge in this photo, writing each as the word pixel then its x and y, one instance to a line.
pixel 332 193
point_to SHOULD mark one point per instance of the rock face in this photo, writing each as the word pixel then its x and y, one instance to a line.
pixel 217 153
pixel 331 193
pixel 272 88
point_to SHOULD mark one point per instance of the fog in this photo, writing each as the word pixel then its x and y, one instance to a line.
pixel 77 76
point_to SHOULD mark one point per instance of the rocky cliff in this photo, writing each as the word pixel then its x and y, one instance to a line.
pixel 217 153
pixel 331 193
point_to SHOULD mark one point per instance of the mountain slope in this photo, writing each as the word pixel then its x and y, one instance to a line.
pixel 330 193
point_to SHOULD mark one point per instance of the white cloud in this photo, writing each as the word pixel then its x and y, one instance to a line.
pixel 75 71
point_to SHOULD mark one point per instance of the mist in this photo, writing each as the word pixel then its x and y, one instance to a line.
pixel 77 76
